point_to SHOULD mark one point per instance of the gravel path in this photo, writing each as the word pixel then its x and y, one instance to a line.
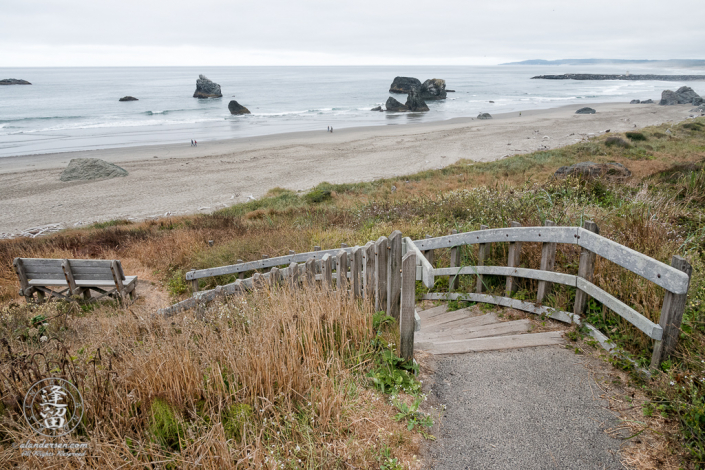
pixel 524 409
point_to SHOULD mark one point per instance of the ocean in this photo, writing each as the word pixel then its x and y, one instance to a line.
pixel 69 109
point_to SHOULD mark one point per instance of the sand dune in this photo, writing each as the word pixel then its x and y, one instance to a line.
pixel 180 179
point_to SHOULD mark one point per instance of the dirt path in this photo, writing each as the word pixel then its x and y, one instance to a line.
pixel 534 408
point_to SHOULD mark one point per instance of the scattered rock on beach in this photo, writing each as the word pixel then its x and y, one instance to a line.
pixel 635 102
pixel 649 101
pixel 585 110
pixel 377 108
pixel 206 88
pixel 404 84
pixel 414 102
pixel 14 81
pixel 128 98
pixel 237 108
pixel 484 116
pixel 697 101
pixel 394 105
pixel 612 171
pixel 433 89
pixel 683 95
pixel 86 169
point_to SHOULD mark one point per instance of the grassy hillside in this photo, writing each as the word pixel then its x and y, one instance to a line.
pixel 214 387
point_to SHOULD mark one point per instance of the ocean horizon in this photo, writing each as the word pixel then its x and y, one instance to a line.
pixel 77 108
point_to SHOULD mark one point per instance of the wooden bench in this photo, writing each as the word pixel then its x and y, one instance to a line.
pixel 63 278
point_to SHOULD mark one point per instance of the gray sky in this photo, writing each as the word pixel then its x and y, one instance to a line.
pixel 356 32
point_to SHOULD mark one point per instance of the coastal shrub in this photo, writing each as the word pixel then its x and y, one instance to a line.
pixel 318 195
pixel 635 136
pixel 660 135
pixel 165 425
pixel 617 142
pixel 235 418
pixel 111 223
pixel 693 126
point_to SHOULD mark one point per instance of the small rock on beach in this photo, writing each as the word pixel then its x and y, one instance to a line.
pixel 484 116
pixel 585 110
pixel 87 169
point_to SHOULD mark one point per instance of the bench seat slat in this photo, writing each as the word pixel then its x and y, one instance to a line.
pixel 80 283
pixel 46 276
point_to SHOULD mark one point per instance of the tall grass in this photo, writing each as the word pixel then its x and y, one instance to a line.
pixel 272 379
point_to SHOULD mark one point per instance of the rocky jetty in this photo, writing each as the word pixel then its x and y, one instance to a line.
pixel 433 89
pixel 585 110
pixel 394 105
pixel 404 85
pixel 484 116
pixel 683 95
pixel 414 102
pixel 611 171
pixel 206 88
pixel 592 76
pixel 87 169
pixel 236 108
pixel 13 81
pixel 128 98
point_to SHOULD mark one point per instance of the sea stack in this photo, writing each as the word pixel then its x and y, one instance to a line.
pixel 414 102
pixel 237 109
pixel 394 105
pixel 14 81
pixel 433 89
pixel 404 85
pixel 128 98
pixel 206 88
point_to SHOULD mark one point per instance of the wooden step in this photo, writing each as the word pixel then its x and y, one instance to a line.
pixel 469 332
pixel 495 343
pixel 447 317
pixel 486 319
pixel 432 312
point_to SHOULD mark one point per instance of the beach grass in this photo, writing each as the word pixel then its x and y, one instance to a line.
pixel 658 212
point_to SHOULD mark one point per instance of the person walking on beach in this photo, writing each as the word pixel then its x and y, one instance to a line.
pixel 331 128
pixel 195 143
pixel 191 142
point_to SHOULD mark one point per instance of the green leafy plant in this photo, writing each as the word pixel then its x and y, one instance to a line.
pixel 411 414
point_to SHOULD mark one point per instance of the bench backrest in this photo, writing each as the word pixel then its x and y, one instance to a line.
pixel 82 269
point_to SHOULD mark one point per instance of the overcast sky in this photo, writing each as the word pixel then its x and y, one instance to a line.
pixel 354 32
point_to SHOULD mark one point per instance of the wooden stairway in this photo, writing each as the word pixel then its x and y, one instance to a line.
pixel 463 331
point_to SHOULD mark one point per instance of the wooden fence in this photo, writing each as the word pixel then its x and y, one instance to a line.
pixel 386 272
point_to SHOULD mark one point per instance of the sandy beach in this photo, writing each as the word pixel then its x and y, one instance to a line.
pixel 180 179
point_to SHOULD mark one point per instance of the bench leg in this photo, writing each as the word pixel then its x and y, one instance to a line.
pixel 40 297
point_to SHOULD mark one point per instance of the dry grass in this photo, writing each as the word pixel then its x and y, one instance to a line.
pixel 275 378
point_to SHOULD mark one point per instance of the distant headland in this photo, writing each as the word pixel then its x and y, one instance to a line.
pixel 600 76
pixel 665 63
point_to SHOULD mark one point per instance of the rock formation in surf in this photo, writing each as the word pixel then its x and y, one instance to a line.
pixel 86 169
pixel 206 88
pixel 433 89
pixel 394 105
pixel 14 81
pixel 403 85
pixel 414 102
pixel 585 110
pixel 237 108
pixel 683 95
pixel 128 98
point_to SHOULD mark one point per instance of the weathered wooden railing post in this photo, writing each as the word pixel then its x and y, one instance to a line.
pixel 356 273
pixel 381 249
pixel 275 277
pixel 428 254
pixel 242 274
pixel 369 284
pixel 513 261
pixel 327 271
pixel 548 262
pixel 194 283
pixel 394 275
pixel 671 317
pixel 293 275
pixel 586 270
pixel 311 272
pixel 454 263
pixel 483 251
pixel 341 262
pixel 408 305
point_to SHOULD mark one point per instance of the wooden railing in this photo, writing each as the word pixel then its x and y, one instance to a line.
pixel 385 271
